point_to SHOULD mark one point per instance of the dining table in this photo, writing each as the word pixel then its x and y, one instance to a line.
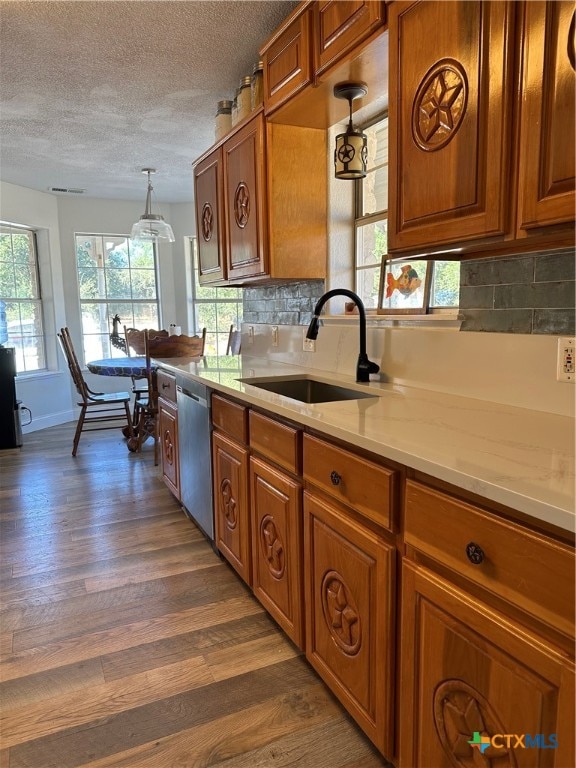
pixel 135 368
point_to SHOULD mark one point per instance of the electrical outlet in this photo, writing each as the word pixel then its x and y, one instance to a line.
pixel 250 335
pixel 274 335
pixel 308 345
pixel 565 368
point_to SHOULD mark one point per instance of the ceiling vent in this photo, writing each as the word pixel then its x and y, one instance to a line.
pixel 66 191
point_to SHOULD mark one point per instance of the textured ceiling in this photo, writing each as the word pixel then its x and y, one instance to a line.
pixel 91 92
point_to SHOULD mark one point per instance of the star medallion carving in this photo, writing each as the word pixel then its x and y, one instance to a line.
pixel 242 205
pixel 340 613
pixel 459 712
pixel 207 222
pixel 272 546
pixel 228 503
pixel 439 106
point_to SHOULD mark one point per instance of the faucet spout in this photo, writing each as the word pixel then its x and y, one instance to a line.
pixel 365 366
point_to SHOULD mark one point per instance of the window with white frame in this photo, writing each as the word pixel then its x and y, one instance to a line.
pixel 371 232
pixel 215 308
pixel 116 276
pixel 21 322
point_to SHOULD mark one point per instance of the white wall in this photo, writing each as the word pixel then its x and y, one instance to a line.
pixel 51 396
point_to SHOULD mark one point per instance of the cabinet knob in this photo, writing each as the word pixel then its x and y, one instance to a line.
pixel 165 386
pixel 474 553
pixel 335 478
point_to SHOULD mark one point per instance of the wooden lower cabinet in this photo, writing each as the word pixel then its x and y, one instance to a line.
pixel 349 588
pixel 168 438
pixel 467 669
pixel 276 512
pixel 231 512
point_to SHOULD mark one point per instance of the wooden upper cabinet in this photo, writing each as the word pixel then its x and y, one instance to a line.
pixel 208 183
pixel 339 25
pixel 287 59
pixel 450 121
pixel 244 189
pixel 547 124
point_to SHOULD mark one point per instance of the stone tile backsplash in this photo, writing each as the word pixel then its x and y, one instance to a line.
pixel 283 303
pixel 519 294
pixel 516 294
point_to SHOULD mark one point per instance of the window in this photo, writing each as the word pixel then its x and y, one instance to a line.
pixel 371 231
pixel 215 309
pixel 116 276
pixel 21 323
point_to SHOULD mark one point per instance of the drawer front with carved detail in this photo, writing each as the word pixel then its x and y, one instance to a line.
pixel 525 568
pixel 276 511
pixel 349 603
pixel 361 484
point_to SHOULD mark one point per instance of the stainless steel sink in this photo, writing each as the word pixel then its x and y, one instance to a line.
pixel 307 390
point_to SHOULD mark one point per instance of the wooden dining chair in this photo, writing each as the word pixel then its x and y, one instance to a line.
pixel 135 345
pixel 162 347
pixel 106 407
pixel 234 342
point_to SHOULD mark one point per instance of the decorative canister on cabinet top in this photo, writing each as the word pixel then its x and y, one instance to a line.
pixel 244 98
pixel 257 85
pixel 235 108
pixel 223 118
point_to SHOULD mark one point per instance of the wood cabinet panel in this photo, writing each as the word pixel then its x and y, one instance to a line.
pixel 466 669
pixel 547 148
pixel 450 121
pixel 166 386
pixel 287 60
pixel 276 509
pixel 231 513
pixel 275 440
pixel 361 484
pixel 349 587
pixel 245 193
pixel 209 202
pixel 230 417
pixel 168 438
pixel 339 26
pixel 510 557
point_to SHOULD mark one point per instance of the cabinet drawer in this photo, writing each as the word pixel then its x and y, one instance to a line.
pixel 358 482
pixel 230 417
pixel 529 570
pixel 167 386
pixel 276 441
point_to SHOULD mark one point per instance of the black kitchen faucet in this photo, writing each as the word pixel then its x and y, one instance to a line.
pixel 364 367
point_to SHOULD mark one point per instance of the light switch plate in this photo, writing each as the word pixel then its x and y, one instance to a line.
pixel 565 370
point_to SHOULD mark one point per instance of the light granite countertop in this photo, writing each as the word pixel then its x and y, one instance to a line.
pixel 521 458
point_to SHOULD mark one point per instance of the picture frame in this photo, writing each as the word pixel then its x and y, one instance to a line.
pixel 404 287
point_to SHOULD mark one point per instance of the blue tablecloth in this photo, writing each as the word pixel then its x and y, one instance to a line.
pixel 118 366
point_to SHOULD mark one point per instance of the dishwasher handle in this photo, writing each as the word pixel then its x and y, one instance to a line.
pixel 186 393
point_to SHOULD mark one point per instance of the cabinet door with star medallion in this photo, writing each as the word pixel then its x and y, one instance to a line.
pixel 473 679
pixel 231 513
pixel 208 194
pixel 245 191
pixel 276 517
pixel 450 119
pixel 349 605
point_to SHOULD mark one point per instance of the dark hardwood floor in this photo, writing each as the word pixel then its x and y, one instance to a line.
pixel 126 641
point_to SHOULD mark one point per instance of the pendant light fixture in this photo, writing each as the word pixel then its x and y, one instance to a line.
pixel 151 226
pixel 351 149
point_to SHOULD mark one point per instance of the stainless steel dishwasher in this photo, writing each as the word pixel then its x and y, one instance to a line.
pixel 194 448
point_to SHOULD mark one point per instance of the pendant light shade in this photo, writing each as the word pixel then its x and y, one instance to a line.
pixel 350 153
pixel 151 226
